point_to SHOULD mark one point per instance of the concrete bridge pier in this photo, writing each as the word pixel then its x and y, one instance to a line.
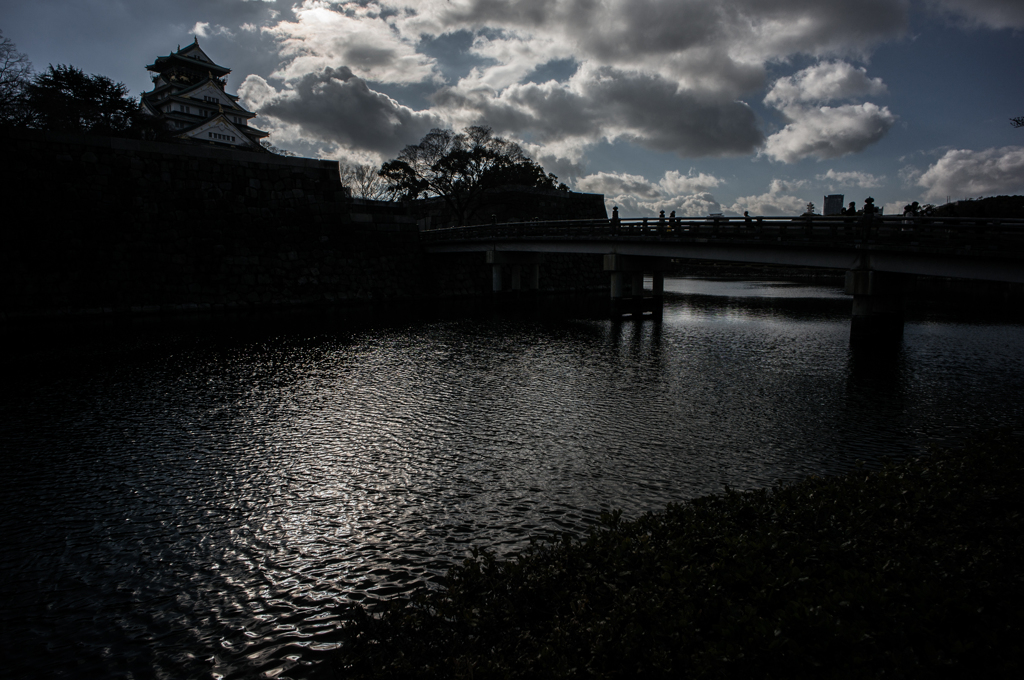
pixel 517 264
pixel 634 267
pixel 877 305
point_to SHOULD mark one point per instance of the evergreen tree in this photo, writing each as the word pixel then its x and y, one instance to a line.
pixel 65 98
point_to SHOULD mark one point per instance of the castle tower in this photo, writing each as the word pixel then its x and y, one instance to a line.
pixel 188 101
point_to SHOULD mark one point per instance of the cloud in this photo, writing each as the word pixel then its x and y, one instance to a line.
pixel 829 132
pixel 675 182
pixel 715 46
pixel 636 196
pixel 668 75
pixel 337 107
pixel 864 180
pixel 203 29
pixel 778 200
pixel 964 173
pixel 618 184
pixel 814 129
pixel 909 175
pixel 351 35
pixel 988 13
pixel 824 82
pixel 604 103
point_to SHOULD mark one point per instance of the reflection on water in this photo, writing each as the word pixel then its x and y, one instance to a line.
pixel 202 500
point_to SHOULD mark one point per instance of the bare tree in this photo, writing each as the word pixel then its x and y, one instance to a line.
pixel 15 75
pixel 365 181
pixel 1017 122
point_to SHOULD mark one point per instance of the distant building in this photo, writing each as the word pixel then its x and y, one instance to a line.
pixel 188 102
pixel 833 204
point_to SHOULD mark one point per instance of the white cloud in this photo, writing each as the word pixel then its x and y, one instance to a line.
pixel 353 36
pixel 675 182
pixel 814 129
pixel 828 132
pixel 778 200
pixel 203 29
pixel 824 82
pixel 617 184
pixel 963 173
pixel 989 13
pixel 636 196
pixel 865 180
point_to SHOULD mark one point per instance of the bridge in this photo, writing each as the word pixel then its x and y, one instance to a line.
pixel 877 252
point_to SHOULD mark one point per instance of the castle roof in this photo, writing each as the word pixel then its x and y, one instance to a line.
pixel 191 57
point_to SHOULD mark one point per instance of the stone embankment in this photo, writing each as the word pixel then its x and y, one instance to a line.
pixel 108 225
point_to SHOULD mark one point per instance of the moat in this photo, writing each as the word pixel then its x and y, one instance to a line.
pixel 203 496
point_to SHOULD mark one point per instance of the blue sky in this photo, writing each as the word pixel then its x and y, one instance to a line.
pixel 685 105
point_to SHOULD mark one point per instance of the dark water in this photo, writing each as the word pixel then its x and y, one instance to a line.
pixel 202 498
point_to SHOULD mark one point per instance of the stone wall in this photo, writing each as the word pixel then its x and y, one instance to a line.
pixel 106 225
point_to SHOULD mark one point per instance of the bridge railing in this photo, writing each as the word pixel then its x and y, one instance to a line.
pixel 943 233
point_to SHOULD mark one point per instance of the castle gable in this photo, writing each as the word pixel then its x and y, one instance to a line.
pixel 194 51
pixel 218 130
pixel 211 93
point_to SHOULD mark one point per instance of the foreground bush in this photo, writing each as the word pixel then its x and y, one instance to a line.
pixel 914 570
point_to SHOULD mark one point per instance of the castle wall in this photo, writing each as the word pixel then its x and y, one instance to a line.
pixel 108 225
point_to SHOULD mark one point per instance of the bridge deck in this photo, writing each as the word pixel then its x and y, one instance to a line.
pixel 989 249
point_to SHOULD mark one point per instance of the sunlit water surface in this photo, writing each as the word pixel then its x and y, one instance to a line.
pixel 204 498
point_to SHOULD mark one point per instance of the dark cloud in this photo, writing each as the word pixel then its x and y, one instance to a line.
pixel 661 117
pixel 336 106
pixel 714 45
pixel 643 108
pixel 818 28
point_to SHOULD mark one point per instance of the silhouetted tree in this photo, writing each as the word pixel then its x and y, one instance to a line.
pixel 1017 122
pixel 64 98
pixel 365 181
pixel 459 167
pixel 810 210
pixel 15 73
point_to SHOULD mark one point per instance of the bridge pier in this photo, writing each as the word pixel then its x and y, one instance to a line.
pixel 638 302
pixel 877 315
pixel 516 263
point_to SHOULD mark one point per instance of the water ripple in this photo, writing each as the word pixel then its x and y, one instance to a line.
pixel 203 502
